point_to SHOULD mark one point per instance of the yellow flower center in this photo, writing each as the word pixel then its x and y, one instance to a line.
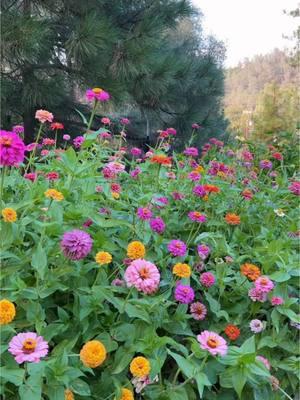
pixel 144 273
pixel 97 90
pixel 6 141
pixel 212 343
pixel 29 345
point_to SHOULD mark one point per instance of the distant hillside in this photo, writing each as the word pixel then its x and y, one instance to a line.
pixel 248 84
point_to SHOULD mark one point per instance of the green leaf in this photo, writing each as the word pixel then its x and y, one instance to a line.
pixel 280 276
pixel 239 379
pixel 249 345
pixel 14 376
pixel 84 120
pixel 202 381
pixel 186 366
pixel 137 312
pixel 39 261
pixel 32 389
pixel 80 387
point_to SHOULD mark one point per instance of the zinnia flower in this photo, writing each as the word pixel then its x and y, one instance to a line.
pixel 213 343
pixel 97 94
pixel 199 191
pixel 207 279
pixel 28 346
pixel 277 156
pixel 251 271
pixel 256 326
pixel 264 284
pixel 31 176
pixel 54 194
pixel 277 301
pixel 196 216
pixel 191 152
pixel 195 126
pixel 232 219
pixel 182 270
pixel 171 131
pixel 247 194
pixel 177 248
pixel 76 244
pixel 77 142
pixel 203 251
pixel 124 121
pixel 136 250
pixel 265 164
pixel 126 394
pixel 232 331
pixel 12 149
pixel 161 159
pixel 257 295
pixel 66 137
pixel 198 311
pixel 135 151
pixel 93 354
pixel 184 294
pixel 9 215
pixel 44 116
pixel 143 275
pixel 295 188
pixel 103 257
pixel 52 176
pixel 56 126
pixel 48 142
pixel 7 311
pixel 140 366
pixel 105 121
pixel 194 176
pixel 157 225
pixel 18 129
pixel 69 395
pixel 144 213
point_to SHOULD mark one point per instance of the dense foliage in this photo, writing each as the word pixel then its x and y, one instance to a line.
pixel 174 277
pixel 150 54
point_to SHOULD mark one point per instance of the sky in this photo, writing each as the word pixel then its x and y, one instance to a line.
pixel 248 27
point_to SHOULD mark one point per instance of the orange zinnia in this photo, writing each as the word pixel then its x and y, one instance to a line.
pixel 232 219
pixel 251 271
pixel 211 188
pixel 232 331
pixel 161 159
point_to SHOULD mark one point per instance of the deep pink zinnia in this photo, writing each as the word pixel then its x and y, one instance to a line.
pixel 143 275
pixel 12 149
pixel 199 191
pixel 203 251
pixel 196 216
pixel 135 151
pixel 184 294
pixel 264 284
pixel 207 279
pixel 157 225
pixel 277 301
pixel 52 176
pixel 295 188
pixel 144 213
pixel 77 142
pixel 31 176
pixel 28 346
pixel 97 94
pixel 76 244
pixel 177 248
pixel 191 152
pixel 194 176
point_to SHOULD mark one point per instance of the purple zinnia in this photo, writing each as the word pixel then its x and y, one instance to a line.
pixel 177 248
pixel 144 213
pixel 76 244
pixel 12 149
pixel 265 164
pixel 77 142
pixel 256 326
pixel 157 225
pixel 199 191
pixel 191 152
pixel 184 294
pixel 203 251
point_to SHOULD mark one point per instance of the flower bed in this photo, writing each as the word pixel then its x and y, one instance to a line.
pixel 130 275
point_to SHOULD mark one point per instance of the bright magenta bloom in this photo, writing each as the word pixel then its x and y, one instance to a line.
pixel 196 216
pixel 144 213
pixel 157 225
pixel 264 284
pixel 207 279
pixel 177 248
pixel 31 176
pixel 295 188
pixel 194 176
pixel 191 152
pixel 184 294
pixel 277 301
pixel 76 244
pixel 97 94
pixel 213 343
pixel 12 149
pixel 28 346
pixel 143 275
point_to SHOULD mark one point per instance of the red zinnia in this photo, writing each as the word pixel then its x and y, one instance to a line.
pixel 232 331
pixel 277 156
pixel 161 159
pixel 211 188
pixel 56 125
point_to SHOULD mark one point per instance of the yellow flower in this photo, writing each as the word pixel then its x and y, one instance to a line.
pixel 182 270
pixel 69 395
pixel 103 257
pixel 93 354
pixel 140 366
pixel 126 394
pixel 199 169
pixel 136 250
pixel 205 198
pixel 54 194
pixel 9 214
pixel 115 195
pixel 7 312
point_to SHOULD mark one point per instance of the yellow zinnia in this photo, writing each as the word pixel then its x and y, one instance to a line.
pixel 93 354
pixel 69 395
pixel 126 394
pixel 103 257
pixel 9 215
pixel 182 270
pixel 140 366
pixel 136 250
pixel 7 312
pixel 54 194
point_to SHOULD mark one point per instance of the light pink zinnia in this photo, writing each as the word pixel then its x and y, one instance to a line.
pixel 207 279
pixel 264 284
pixel 257 295
pixel 213 343
pixel 44 116
pixel 143 275
pixel 28 346
pixel 198 311
pixel 105 121
pixel 256 326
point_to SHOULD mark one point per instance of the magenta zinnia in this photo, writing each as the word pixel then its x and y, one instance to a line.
pixel 177 248
pixel 76 244
pixel 184 294
pixel 143 275
pixel 12 149
pixel 28 346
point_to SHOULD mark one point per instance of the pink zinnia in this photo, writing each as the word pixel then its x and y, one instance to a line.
pixel 277 301
pixel 157 225
pixel 257 295
pixel 97 94
pixel 31 176
pixel 198 311
pixel 76 244
pixel 194 176
pixel 171 131
pixel 12 149
pixel 256 326
pixel 203 251
pixel 178 196
pixel 191 152
pixel 265 164
pixel 44 153
pixel 105 121
pixel 77 142
pixel 213 343
pixel 66 137
pixel 44 116
pixel 48 142
pixel 115 187
pixel 207 279
pixel 143 275
pixel 28 346
pixel 199 191
pixel 264 284
pixel 18 129
pixel 177 248
pixel 105 135
pixel 184 294
pixel 135 172
pixel 135 151
pixel 196 216
pixel 144 213
pixel 52 176
pixel 124 121
pixel 31 146
pixel 295 188
pixel 195 126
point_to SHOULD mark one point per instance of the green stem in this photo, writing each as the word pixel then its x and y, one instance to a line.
pixel 55 139
pixel 2 182
pixel 92 116
pixel 32 154
pixel 285 393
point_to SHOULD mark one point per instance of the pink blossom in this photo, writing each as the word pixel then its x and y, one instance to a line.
pixel 157 225
pixel 277 301
pixel 178 196
pixel 135 172
pixel 105 121
pixel 256 326
pixel 264 284
pixel 257 295
pixel 295 188
pixel 124 121
pixel 196 216
pixel 12 149
pixel 135 151
pixel 171 131
pixel 99 189
pixel 213 343
pixel 264 361
pixel 207 279
pixel 198 311
pixel 199 191
pixel 144 213
pixel 48 142
pixel 143 275
pixel 194 176
pixel 203 251
pixel 66 137
pixel 97 94
pixel 44 116
pixel 177 248
pixel 31 176
pixel 184 294
pixel 44 153
pixel 191 152
pixel 52 176
pixel 195 126
pixel 28 346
